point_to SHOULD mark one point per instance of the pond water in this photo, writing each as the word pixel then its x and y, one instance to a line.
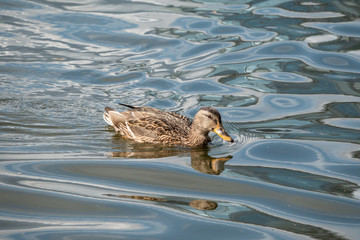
pixel 285 76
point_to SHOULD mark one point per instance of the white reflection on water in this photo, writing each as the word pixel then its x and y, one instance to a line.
pixel 282 77
pixel 321 38
pixel 350 29
pixel 350 123
pixel 293 14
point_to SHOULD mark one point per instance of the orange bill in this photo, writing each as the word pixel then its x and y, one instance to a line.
pixel 219 130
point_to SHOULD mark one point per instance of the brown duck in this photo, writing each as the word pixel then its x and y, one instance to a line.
pixel 150 125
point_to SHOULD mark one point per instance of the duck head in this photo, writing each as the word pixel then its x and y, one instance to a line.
pixel 208 119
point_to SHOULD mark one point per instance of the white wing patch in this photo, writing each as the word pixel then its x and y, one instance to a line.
pixel 107 119
pixel 115 112
pixel 128 128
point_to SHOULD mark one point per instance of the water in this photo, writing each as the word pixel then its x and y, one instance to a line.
pixel 283 74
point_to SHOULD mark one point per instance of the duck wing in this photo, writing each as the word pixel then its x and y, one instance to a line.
pixel 146 124
pixel 156 130
pixel 142 112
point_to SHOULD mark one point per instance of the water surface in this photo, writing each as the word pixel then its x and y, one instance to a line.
pixel 283 74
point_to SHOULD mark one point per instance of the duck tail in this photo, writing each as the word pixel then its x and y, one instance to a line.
pixel 107 117
pixel 125 105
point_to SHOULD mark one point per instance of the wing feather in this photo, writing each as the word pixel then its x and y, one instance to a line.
pixel 156 129
pixel 146 124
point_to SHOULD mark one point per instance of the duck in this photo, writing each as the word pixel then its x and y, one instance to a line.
pixel 150 125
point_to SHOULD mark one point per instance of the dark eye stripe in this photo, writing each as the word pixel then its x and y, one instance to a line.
pixel 212 118
pixel 215 114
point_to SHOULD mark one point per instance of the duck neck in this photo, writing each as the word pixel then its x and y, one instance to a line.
pixel 198 136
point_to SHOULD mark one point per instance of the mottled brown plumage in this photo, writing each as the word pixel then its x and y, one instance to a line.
pixel 150 125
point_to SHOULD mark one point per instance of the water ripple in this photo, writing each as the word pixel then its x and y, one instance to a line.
pixel 349 29
pixel 291 49
pixel 293 14
pixel 282 77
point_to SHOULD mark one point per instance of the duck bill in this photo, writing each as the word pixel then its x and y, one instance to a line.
pixel 219 130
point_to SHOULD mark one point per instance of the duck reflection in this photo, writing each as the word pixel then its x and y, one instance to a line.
pixel 201 161
pixel 200 204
